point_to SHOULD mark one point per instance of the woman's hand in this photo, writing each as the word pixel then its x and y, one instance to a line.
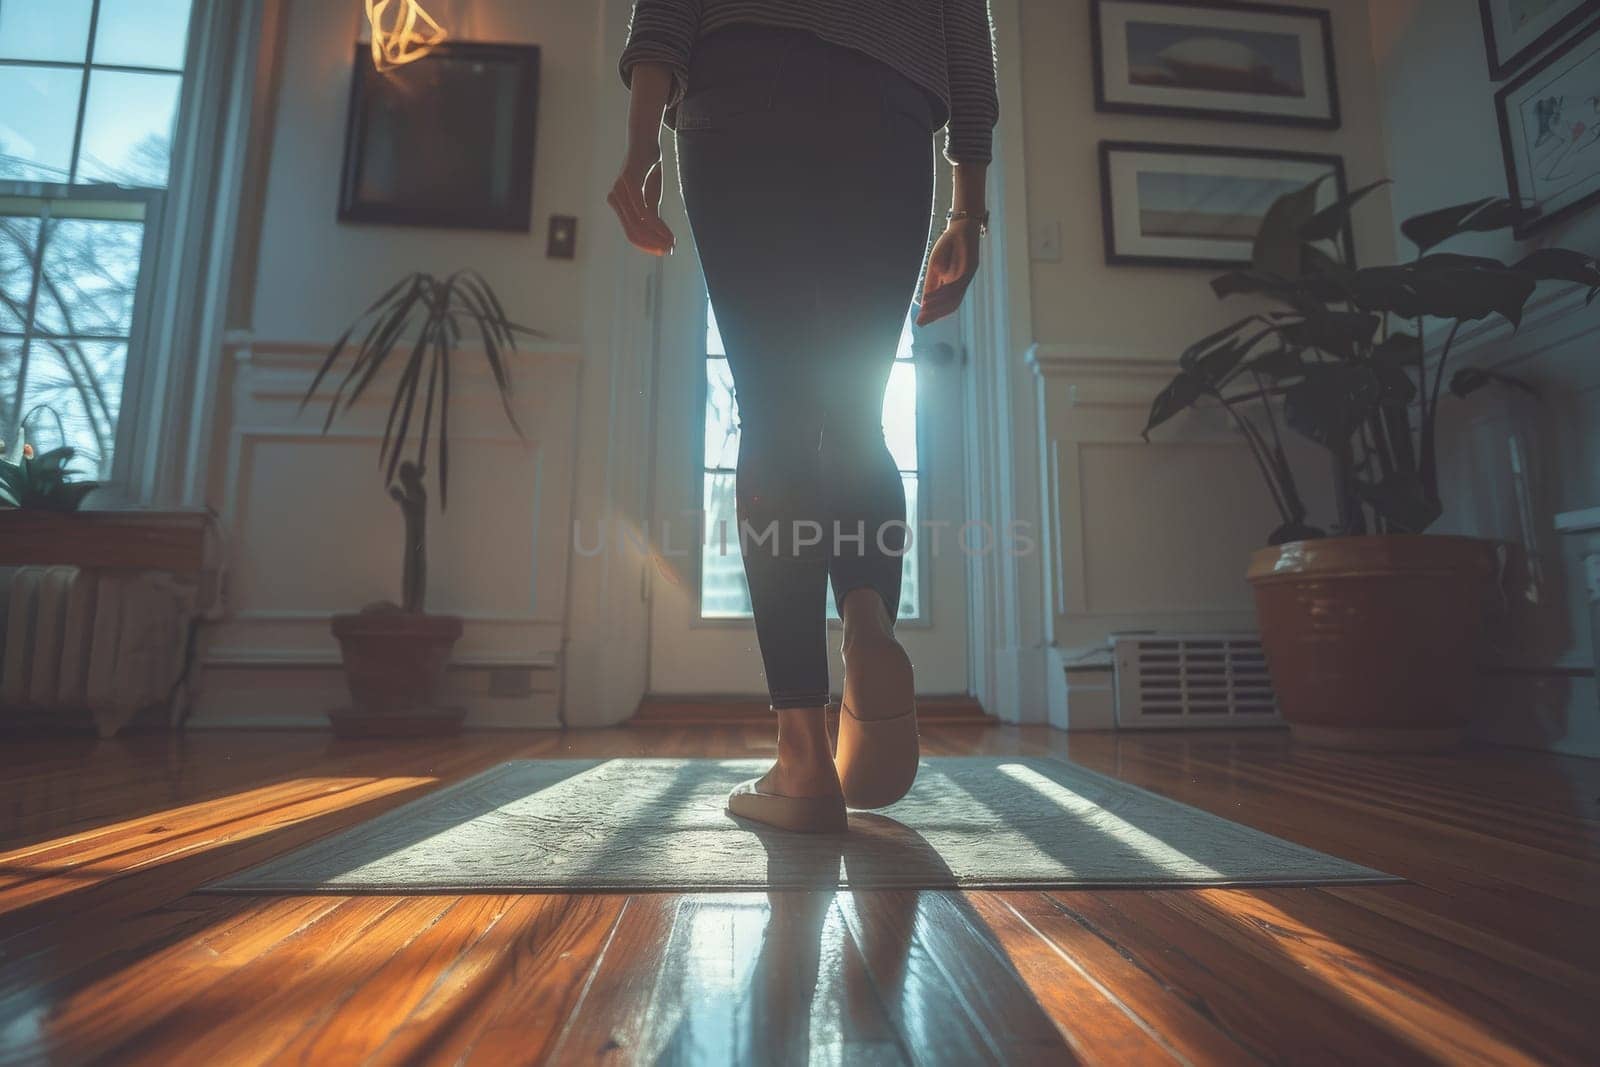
pixel 636 194
pixel 636 198
pixel 951 267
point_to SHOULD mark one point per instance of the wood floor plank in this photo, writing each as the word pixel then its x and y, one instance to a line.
pixel 1432 997
pixel 1109 1007
pixel 520 977
pixel 79 1019
pixel 1277 1021
pixel 1490 954
pixel 966 950
pixel 354 1020
pixel 562 948
pixel 933 1012
pixel 610 1020
pixel 1541 942
pixel 250 1014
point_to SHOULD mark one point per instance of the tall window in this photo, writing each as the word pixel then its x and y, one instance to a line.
pixel 90 92
pixel 724 594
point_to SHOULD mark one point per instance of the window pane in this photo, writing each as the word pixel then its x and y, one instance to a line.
pixel 910 572
pixel 900 415
pixel 91 270
pixel 724 593
pixel 904 349
pixel 142 33
pixel 713 335
pixel 71 398
pixel 127 128
pixel 722 427
pixel 10 364
pixel 19 237
pixel 36 122
pixel 44 29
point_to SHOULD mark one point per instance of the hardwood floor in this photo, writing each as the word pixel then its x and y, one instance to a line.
pixel 1490 954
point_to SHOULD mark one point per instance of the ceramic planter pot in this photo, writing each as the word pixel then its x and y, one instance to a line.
pixel 1370 640
pixel 395 665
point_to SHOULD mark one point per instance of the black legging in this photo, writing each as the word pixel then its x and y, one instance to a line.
pixel 807 171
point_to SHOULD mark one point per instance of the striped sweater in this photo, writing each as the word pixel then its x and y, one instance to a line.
pixel 945 46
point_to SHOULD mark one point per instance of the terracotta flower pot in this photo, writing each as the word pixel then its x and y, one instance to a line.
pixel 395 665
pixel 1370 640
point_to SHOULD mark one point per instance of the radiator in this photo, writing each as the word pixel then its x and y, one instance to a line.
pixel 91 645
pixel 1181 681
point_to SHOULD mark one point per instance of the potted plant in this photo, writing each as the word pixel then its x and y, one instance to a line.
pixel 395 655
pixel 1369 628
pixel 45 481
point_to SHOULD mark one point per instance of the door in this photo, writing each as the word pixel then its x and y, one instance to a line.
pixel 703 641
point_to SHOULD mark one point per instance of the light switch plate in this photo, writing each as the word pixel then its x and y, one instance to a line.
pixel 563 242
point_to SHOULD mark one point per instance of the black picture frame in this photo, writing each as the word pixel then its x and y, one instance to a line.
pixel 1502 68
pixel 1532 218
pixel 445 141
pixel 1117 258
pixel 1320 18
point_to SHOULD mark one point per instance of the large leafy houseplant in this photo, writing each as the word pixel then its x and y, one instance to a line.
pixel 395 656
pixel 1340 357
pixel 1369 630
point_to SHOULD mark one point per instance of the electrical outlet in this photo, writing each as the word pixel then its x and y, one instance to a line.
pixel 1044 242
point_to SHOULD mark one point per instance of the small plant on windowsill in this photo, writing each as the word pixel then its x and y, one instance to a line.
pixel 41 481
pixel 395 655
pixel 1369 632
pixel 44 482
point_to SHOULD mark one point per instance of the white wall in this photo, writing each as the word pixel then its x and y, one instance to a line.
pixel 1147 535
pixel 313 273
pixel 1444 148
pixel 1157 311
pixel 311 530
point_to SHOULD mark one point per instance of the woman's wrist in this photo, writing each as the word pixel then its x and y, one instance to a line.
pixel 967 187
pixel 650 88
pixel 975 220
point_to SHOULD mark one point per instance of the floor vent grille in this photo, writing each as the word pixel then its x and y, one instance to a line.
pixel 1182 681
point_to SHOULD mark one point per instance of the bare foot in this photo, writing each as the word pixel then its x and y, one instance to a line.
pixel 805 760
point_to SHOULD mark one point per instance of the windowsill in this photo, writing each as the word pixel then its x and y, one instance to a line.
pixel 124 539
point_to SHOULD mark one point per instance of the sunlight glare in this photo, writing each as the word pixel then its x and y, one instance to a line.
pixel 1147 845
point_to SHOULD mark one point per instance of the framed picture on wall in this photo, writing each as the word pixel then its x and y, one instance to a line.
pixel 1196 206
pixel 446 140
pixel 1514 31
pixel 1215 59
pixel 1550 133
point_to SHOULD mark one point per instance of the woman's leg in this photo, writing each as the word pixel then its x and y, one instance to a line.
pixel 748 184
pixel 882 180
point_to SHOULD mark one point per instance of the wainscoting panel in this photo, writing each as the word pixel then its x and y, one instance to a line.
pixel 1144 535
pixel 1164 525
pixel 313 533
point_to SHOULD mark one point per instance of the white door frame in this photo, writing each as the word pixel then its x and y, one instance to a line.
pixel 1010 624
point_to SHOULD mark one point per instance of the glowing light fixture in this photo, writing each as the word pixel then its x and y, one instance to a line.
pixel 401 32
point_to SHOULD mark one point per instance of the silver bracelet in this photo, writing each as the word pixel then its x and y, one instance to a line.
pixel 982 218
